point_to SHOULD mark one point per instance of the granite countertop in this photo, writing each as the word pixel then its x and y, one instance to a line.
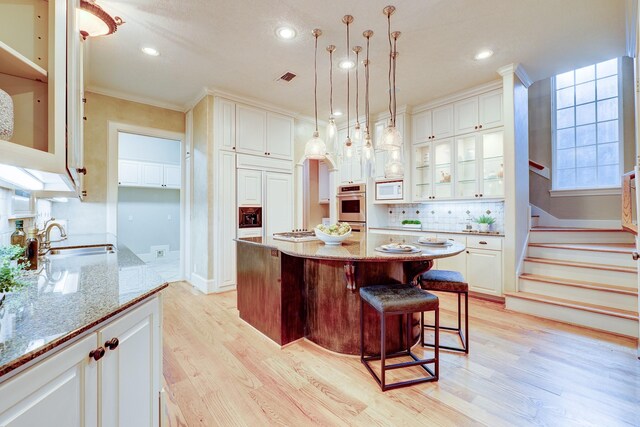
pixel 69 296
pixel 466 233
pixel 358 247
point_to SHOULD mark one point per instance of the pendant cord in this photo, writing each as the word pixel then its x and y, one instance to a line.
pixel 348 79
pixel 331 82
pixel 366 81
pixel 390 64
pixel 395 54
pixel 357 90
pixel 315 84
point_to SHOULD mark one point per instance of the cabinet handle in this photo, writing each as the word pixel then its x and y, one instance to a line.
pixel 97 354
pixel 480 195
pixel 476 127
pixel 112 344
pixel 482 242
pixel 119 183
pixel 233 148
pixel 476 195
pixel 467 251
pixel 480 126
pixel 83 171
pixel 635 256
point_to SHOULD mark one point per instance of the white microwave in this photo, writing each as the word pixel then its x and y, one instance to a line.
pixel 389 190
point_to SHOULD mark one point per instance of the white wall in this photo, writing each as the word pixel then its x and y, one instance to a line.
pixel 148 149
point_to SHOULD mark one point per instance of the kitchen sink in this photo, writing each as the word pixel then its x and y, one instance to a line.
pixel 81 250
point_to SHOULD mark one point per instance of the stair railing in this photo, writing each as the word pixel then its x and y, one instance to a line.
pixel 628 203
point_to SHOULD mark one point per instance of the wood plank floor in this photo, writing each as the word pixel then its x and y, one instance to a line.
pixel 521 370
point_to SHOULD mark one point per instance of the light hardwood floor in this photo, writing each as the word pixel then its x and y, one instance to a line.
pixel 521 370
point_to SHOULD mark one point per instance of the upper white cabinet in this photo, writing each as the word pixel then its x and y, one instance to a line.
pixel 251 130
pixel 279 136
pixel 172 178
pixel 152 175
pixel 134 173
pixel 323 183
pixel 225 126
pixel 249 187
pixel 433 124
pixel 129 172
pixel 433 170
pixel 478 112
pixel 480 165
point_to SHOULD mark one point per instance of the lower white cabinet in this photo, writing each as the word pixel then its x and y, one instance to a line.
pixel 249 187
pixel 278 209
pixel 484 271
pixel 323 182
pixel 70 388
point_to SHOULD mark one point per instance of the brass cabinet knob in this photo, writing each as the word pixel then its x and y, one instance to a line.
pixel 112 344
pixel 635 256
pixel 97 354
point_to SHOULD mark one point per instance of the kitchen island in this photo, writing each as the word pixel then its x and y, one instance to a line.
pixel 290 291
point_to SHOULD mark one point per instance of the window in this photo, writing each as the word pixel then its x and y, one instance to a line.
pixel 587 141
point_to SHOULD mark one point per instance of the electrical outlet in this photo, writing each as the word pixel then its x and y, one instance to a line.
pixel 160 253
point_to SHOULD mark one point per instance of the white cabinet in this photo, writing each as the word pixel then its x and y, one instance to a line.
pixel 433 124
pixel 69 388
pixel 62 389
pixel 249 187
pixel 479 112
pixel 324 192
pixel 278 210
pixel 422 127
pixel 454 263
pixel 251 130
pixel 484 271
pixel 152 175
pixel 480 165
pixel 279 136
pixel 225 126
pixel 129 173
pixel 433 170
pixel 134 173
pixel 226 214
pixel 130 373
pixel 172 178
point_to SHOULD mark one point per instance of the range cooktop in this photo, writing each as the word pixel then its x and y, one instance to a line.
pixel 296 236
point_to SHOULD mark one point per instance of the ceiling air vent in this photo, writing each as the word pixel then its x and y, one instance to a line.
pixel 287 77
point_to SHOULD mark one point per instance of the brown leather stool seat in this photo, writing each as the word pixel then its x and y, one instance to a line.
pixel 453 282
pixel 389 300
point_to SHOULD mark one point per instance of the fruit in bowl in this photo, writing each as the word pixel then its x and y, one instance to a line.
pixel 333 234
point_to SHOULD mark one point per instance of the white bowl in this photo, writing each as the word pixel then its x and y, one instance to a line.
pixel 328 239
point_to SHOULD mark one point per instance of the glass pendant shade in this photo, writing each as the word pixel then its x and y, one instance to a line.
pixel 315 148
pixel 391 138
pixel 368 159
pixel 348 148
pixel 394 167
pixel 332 134
pixel 357 134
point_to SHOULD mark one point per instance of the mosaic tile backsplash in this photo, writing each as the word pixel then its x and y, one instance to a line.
pixel 447 216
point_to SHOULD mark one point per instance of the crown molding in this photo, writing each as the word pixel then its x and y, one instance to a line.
pixel 133 98
pixel 457 96
pixel 631 27
pixel 250 101
pixel 196 100
pixel 523 76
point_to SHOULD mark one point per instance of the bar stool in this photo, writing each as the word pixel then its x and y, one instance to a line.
pixel 452 282
pixel 390 300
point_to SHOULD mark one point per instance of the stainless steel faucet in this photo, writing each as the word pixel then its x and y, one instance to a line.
pixel 45 234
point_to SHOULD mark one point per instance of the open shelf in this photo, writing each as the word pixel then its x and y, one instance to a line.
pixel 18 65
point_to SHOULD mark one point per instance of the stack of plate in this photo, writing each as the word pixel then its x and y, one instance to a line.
pixel 397 248
pixel 434 241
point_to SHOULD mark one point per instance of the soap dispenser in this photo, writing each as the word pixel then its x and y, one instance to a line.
pixel 32 249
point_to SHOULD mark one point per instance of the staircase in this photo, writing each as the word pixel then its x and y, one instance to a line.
pixel 584 277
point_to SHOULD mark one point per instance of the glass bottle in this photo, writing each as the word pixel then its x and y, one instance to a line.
pixel 18 237
pixel 31 253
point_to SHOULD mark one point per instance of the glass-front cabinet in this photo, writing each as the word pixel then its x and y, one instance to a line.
pixel 480 165
pixel 433 170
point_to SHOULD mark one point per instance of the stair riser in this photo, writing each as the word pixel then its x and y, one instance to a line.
pixel 583 274
pixel 572 293
pixel 579 237
pixel 577 317
pixel 608 258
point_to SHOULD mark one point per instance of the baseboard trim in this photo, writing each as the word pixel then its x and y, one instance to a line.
pixel 206 286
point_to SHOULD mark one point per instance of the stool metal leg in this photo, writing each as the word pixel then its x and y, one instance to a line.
pixel 383 352
pixel 361 330
pixel 463 336
pixel 436 349
pixel 466 322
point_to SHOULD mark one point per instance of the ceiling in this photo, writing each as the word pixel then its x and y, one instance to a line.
pixel 231 46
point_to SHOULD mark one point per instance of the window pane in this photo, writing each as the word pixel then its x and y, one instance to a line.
pixel 566 158
pixel 564 80
pixel 566 178
pixel 585 74
pixel 608 132
pixel 608 87
pixel 585 114
pixel 565 118
pixel 586 177
pixel 564 97
pixel 586 92
pixel 608 154
pixel 586 135
pixel 565 138
pixel 607 68
pixel 608 109
pixel 586 156
pixel 609 176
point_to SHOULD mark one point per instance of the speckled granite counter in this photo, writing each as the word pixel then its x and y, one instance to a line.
pixel 358 247
pixel 401 230
pixel 70 296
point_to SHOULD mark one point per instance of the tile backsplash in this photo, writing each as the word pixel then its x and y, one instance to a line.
pixel 447 216
pixel 7 225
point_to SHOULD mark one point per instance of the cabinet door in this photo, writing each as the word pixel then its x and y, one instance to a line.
pixel 484 271
pixel 378 129
pixel 356 166
pixel 466 115
pixel 279 136
pixel 454 263
pixel 422 172
pixel 467 166
pixel 129 173
pixel 323 182
pixel 227 220
pixel 442 168
pixel 492 147
pixel 490 109
pixel 422 130
pixel 172 178
pixel 75 95
pixel 442 119
pixel 251 130
pixel 152 174
pixel 249 187
pixel 227 124
pixel 278 212
pixel 61 390
pixel 130 373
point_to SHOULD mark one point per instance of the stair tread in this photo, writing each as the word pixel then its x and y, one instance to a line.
pixel 580 283
pixel 632 270
pixel 620 248
pixel 594 308
pixel 578 229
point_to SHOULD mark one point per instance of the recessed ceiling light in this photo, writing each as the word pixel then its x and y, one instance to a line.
pixel 150 51
pixel 337 113
pixel 484 54
pixel 286 33
pixel 346 64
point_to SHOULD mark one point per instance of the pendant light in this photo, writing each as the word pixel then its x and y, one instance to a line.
pixel 332 130
pixel 315 148
pixel 357 130
pixel 93 21
pixel 391 137
pixel 348 144
pixel 368 157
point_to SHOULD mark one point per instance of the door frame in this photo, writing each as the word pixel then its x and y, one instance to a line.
pixel 112 179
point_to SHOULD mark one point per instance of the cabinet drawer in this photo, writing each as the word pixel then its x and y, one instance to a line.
pixel 484 242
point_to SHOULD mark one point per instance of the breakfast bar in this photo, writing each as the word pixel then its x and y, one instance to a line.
pixel 293 290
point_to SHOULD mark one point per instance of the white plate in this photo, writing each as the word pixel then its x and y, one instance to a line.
pixel 436 245
pixel 394 247
pixel 433 241
pixel 397 252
